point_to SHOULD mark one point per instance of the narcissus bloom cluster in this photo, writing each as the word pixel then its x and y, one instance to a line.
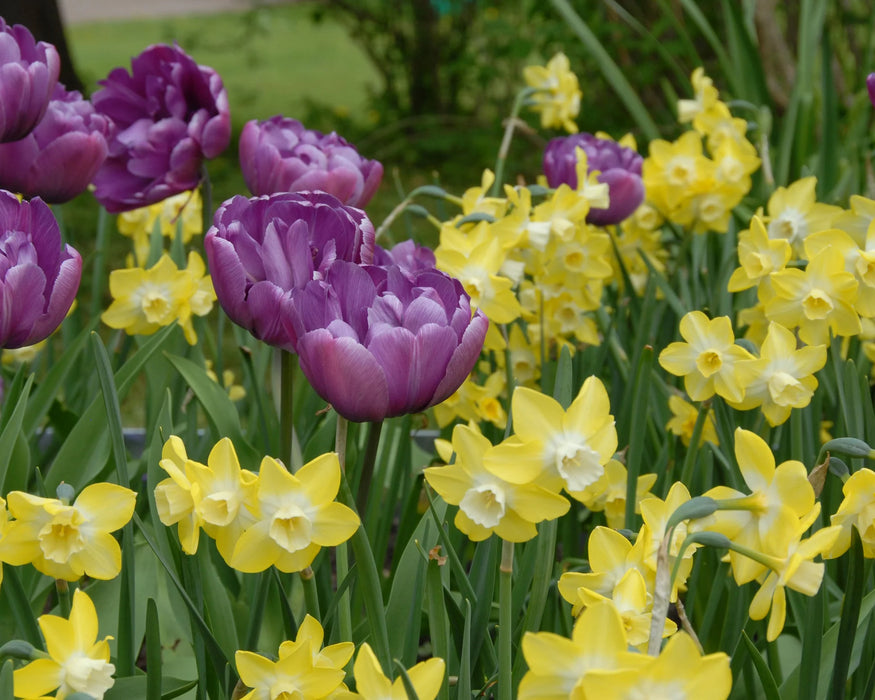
pixel 557 93
pixel 273 518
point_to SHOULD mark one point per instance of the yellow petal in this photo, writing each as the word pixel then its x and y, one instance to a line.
pixel 108 507
pixel 335 523
pixel 37 679
pixel 427 678
pixel 369 679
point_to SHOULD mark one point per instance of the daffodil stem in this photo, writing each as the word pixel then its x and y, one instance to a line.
pixel 661 595
pixel 695 443
pixel 311 594
pixel 63 589
pixel 367 472
pixel 344 613
pixel 287 425
pixel 510 126
pixel 505 624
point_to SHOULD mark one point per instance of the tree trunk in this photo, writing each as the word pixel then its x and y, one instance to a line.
pixel 43 19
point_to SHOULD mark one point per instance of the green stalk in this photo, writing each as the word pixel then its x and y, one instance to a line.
pixel 370 458
pixel 505 624
pixel 98 272
pixel 511 123
pixel 64 597
pixel 344 612
pixel 369 579
pixel 311 593
pixel 287 425
pixel 256 610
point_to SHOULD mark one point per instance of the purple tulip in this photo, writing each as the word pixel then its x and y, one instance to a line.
pixel 280 155
pixel 59 158
pixel 376 343
pixel 169 114
pixel 28 75
pixel 262 250
pixel 39 277
pixel 411 258
pixel 620 169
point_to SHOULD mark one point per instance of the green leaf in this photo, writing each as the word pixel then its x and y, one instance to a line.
pixel 6 688
pixel 10 435
pixel 849 617
pixel 153 651
pixel 404 609
pixel 438 622
pixel 87 448
pixel 41 400
pixel 762 669
pixel 221 412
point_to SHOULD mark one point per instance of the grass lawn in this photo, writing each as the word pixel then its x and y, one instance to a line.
pixel 273 60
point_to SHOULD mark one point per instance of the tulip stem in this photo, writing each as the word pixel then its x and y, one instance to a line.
pixel 287 424
pixel 97 274
pixel 344 613
pixel 367 472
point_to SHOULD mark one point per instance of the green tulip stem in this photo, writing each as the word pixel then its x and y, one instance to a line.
pixel 367 473
pixel 505 625
pixel 63 589
pixel 287 424
pixel 344 613
pixel 311 594
pixel 509 127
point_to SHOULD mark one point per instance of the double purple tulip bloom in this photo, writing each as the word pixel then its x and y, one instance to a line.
pixel 28 75
pixel 39 277
pixel 619 168
pixel 60 157
pixel 375 341
pixel 262 250
pixel 169 114
pixel 280 155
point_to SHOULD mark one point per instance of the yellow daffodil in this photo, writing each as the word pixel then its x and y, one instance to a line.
pixel 784 377
pixel 476 200
pixel 634 604
pixel 683 422
pixel 857 510
pixel 859 261
pixel 674 173
pixel 570 448
pixel 706 97
pixel 611 556
pixel 791 567
pixel 780 497
pixel 294 675
pixel 76 661
pixel 818 300
pixel 218 497
pixel 181 211
pixel 758 255
pixel 311 634
pixel 655 512
pixel 68 541
pixel 146 300
pixel 478 272
pixel 857 220
pixel 236 392
pixel 709 360
pixel 557 95
pixel 559 667
pixel 794 214
pixel 680 672
pixel 20 356
pixel 608 494
pixel 502 499
pixel 297 516
pixel 371 683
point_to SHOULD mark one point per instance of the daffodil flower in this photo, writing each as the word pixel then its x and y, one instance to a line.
pixel 490 500
pixel 371 683
pixel 76 662
pixel 296 517
pixel 680 672
pixel 570 448
pixel 68 541
pixel 558 667
pixel 294 675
